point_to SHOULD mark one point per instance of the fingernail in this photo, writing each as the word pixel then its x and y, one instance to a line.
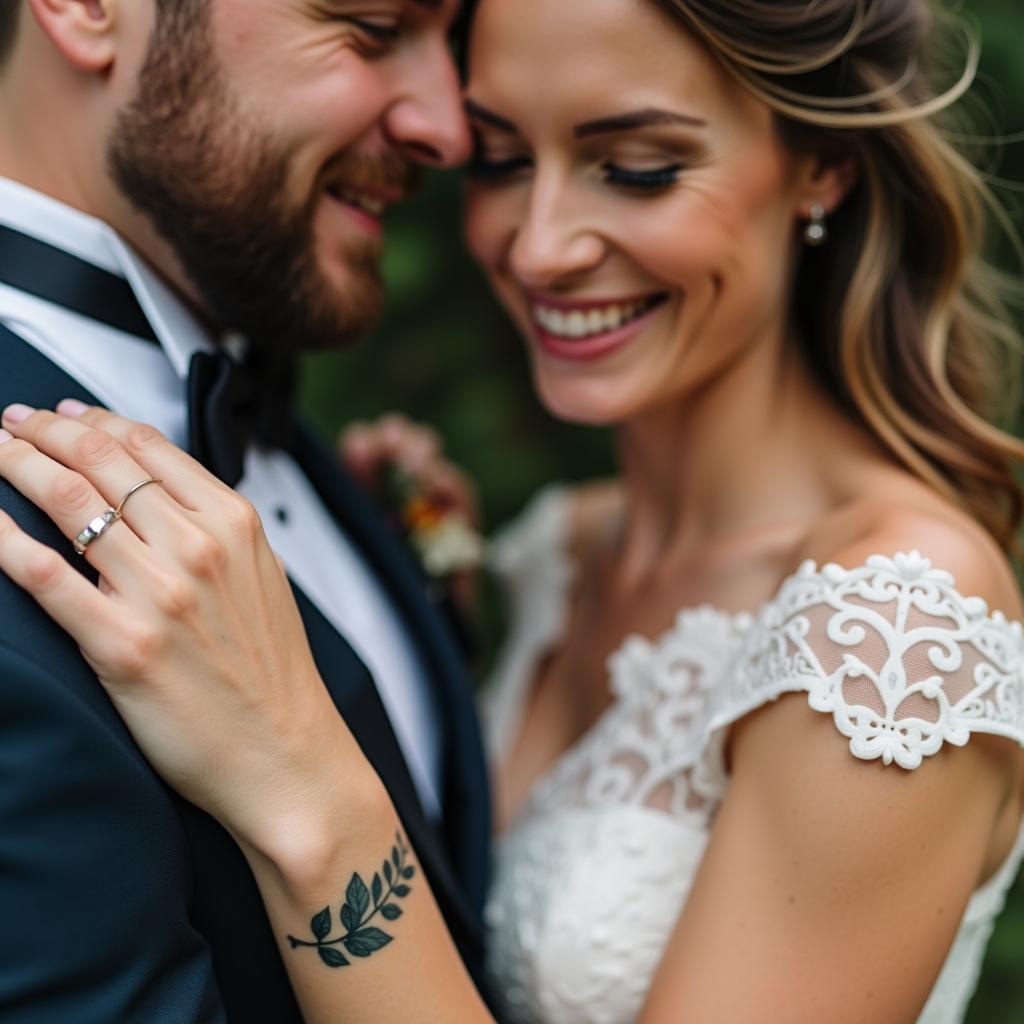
pixel 17 413
pixel 5 435
pixel 72 407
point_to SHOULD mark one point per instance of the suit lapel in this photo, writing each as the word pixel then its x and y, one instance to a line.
pixel 466 823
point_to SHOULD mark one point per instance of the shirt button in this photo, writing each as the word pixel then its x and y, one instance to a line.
pixel 281 515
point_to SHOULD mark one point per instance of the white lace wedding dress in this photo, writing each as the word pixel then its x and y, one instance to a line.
pixel 591 877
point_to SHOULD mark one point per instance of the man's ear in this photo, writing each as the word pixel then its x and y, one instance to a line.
pixel 81 30
pixel 825 181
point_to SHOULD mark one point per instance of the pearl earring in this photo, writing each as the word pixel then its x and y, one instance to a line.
pixel 816 233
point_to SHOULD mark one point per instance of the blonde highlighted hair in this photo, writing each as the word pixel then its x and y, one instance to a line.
pixel 901 314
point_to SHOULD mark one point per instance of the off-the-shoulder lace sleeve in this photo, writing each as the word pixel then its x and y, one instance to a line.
pixel 902 662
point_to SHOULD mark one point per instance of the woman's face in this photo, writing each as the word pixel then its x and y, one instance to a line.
pixel 632 205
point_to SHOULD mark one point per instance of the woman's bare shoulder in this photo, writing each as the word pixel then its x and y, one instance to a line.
pixel 914 519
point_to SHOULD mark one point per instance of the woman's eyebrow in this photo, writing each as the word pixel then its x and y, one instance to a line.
pixel 636 119
pixel 479 113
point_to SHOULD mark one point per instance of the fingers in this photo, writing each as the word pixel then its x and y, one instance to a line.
pixel 184 479
pixel 71 502
pixel 65 595
pixel 224 522
pixel 99 458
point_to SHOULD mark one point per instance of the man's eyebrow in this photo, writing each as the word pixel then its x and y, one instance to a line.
pixel 478 113
pixel 432 5
pixel 636 119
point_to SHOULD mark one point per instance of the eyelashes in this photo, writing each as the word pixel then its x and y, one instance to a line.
pixel 654 180
pixel 657 179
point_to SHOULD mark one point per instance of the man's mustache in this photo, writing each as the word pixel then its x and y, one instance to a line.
pixel 398 179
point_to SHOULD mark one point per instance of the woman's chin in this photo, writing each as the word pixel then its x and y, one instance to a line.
pixel 590 403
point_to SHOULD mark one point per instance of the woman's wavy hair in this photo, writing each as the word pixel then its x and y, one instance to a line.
pixel 900 312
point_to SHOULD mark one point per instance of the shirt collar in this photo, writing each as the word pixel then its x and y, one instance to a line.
pixel 179 332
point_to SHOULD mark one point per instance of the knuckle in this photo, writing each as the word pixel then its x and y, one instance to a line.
pixel 96 448
pixel 202 555
pixel 71 492
pixel 244 521
pixel 43 570
pixel 137 649
pixel 176 598
pixel 142 437
pixel 16 451
pixel 44 429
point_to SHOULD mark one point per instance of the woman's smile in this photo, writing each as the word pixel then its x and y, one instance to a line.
pixel 591 329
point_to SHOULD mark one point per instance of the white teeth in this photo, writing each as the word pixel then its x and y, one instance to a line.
pixel 368 204
pixel 579 323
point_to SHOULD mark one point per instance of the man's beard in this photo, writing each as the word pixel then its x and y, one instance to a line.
pixel 217 191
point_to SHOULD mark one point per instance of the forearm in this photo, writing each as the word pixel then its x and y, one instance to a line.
pixel 360 933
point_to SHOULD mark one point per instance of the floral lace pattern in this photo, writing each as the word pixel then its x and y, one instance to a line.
pixel 890 650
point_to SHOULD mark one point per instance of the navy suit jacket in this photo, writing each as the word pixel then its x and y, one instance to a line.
pixel 122 902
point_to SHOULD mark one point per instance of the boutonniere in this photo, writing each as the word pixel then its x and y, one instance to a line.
pixel 438 532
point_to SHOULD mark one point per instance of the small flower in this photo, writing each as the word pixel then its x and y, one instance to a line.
pixel 447 545
pixel 437 531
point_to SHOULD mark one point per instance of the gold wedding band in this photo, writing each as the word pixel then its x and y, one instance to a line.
pixel 137 487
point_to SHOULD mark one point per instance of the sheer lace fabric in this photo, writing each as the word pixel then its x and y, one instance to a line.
pixel 592 876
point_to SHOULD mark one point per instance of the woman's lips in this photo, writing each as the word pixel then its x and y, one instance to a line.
pixel 587 331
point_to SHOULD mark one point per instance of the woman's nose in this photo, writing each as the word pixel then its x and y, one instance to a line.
pixel 554 244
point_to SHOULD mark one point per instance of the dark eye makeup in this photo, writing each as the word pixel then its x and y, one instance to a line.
pixel 654 180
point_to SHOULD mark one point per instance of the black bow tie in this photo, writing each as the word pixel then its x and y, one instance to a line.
pixel 232 405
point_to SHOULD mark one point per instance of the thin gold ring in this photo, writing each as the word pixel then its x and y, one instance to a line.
pixel 137 487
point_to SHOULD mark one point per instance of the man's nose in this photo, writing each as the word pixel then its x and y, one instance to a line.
pixel 428 123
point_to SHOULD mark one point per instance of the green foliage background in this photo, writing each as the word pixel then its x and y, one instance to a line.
pixel 445 354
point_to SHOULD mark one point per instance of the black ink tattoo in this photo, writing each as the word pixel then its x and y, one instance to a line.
pixel 361 905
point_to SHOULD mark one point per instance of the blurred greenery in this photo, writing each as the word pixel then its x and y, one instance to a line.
pixel 445 354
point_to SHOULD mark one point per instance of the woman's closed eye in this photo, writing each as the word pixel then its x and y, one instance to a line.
pixel 498 170
pixel 652 179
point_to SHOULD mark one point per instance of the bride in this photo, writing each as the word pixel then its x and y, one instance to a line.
pixel 758 721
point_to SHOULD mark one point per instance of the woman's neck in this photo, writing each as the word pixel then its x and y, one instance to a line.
pixel 755 451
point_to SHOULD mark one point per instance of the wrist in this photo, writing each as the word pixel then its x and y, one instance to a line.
pixel 307 852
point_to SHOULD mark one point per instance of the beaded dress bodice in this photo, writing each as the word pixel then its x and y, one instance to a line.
pixel 593 874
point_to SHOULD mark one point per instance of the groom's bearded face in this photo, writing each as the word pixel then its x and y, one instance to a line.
pixel 219 188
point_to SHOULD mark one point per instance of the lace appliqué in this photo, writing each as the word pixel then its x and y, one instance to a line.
pixel 891 651
pixel 902 661
pixel 642 750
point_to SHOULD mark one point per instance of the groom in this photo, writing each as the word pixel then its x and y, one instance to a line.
pixel 191 192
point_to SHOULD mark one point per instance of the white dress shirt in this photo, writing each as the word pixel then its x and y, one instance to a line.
pixel 147 383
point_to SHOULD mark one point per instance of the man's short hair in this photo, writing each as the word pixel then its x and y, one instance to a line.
pixel 9 12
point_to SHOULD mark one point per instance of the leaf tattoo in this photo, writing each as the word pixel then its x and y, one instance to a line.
pixel 361 905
